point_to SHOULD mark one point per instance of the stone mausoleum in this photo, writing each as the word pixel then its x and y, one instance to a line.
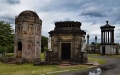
pixel 67 41
pixel 107 45
pixel 27 35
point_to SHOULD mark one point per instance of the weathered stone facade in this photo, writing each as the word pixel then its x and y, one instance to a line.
pixel 27 35
pixel 66 40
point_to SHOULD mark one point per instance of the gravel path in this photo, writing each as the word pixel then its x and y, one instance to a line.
pixel 110 60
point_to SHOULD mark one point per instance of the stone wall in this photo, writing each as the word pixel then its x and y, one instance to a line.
pixel 109 49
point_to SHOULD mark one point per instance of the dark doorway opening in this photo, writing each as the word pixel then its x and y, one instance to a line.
pixel 19 46
pixel 103 50
pixel 19 52
pixel 66 51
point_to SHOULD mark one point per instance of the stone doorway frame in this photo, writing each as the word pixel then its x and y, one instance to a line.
pixel 63 51
pixel 60 53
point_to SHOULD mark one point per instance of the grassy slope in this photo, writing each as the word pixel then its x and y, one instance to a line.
pixel 27 69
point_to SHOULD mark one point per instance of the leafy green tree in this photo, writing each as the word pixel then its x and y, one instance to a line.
pixel 6 37
pixel 44 43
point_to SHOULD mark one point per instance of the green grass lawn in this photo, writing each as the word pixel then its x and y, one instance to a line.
pixel 92 58
pixel 101 61
pixel 28 69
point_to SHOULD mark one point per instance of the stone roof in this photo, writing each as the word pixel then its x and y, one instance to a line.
pixel 28 13
pixel 107 25
pixel 68 23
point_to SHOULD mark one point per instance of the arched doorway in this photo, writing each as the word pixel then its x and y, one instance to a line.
pixel 19 51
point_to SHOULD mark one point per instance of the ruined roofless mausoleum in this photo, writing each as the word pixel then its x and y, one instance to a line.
pixel 27 35
pixel 66 41
pixel 107 45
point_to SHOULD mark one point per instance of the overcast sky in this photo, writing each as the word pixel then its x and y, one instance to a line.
pixel 91 13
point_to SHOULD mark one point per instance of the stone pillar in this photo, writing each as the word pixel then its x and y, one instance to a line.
pixel 104 36
pixel 113 36
pixel 108 36
pixel 101 36
pixel 96 41
pixel 88 41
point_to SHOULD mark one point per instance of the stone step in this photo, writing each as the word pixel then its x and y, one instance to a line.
pixel 65 64
pixel 12 62
pixel 92 63
pixel 96 64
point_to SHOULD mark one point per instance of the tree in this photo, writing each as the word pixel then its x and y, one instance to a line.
pixel 6 37
pixel 44 43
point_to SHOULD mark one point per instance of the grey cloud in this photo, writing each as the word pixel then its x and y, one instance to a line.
pixel 93 14
pixel 102 11
pixel 55 21
pixel 67 19
pixel 11 1
pixel 93 9
pixel 61 6
pixel 117 35
pixel 7 18
pixel 114 16
pixel 45 33
pixel 85 30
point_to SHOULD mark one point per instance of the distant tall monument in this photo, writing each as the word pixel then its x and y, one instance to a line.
pixel 107 45
pixel 95 41
pixel 88 49
pixel 27 35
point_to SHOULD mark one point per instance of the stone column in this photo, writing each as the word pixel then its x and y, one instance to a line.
pixel 101 36
pixel 96 41
pixel 108 36
pixel 87 42
pixel 104 37
pixel 113 35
